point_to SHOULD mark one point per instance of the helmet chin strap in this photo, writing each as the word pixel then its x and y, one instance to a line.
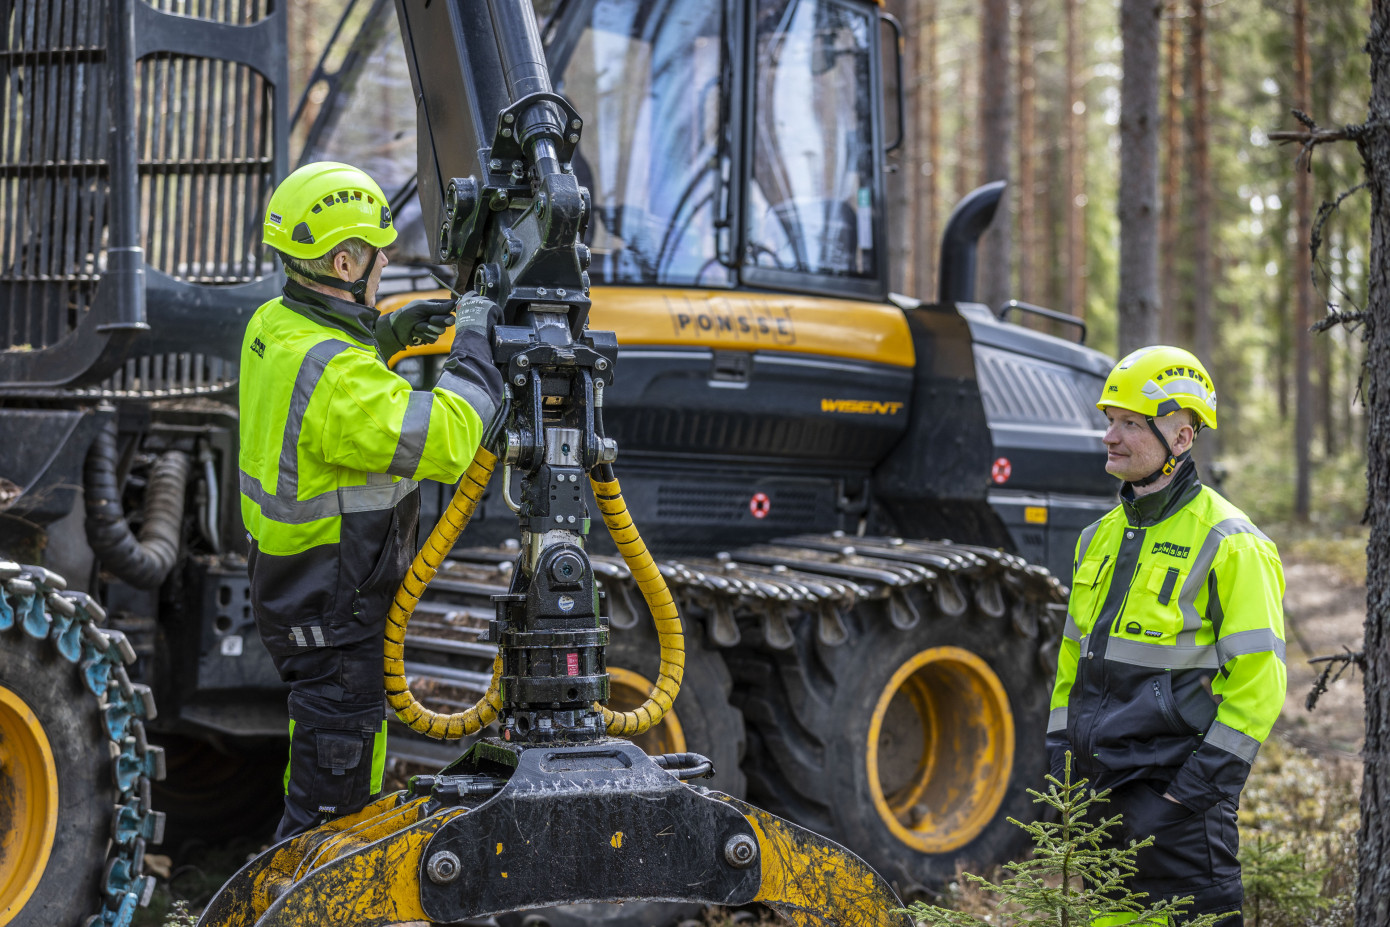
pixel 358 288
pixel 1170 462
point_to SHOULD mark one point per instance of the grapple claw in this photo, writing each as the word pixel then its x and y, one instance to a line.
pixel 810 880
pixel 596 823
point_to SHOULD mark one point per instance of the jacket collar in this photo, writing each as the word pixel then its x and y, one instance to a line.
pixel 1144 511
pixel 351 318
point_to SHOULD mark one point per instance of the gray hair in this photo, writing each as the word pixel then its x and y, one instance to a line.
pixel 355 248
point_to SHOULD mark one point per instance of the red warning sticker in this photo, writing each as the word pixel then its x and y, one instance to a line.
pixel 1002 470
pixel 572 664
pixel 759 505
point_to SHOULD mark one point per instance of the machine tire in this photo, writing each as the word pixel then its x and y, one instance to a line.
pixel 68 716
pixel 810 711
pixel 709 724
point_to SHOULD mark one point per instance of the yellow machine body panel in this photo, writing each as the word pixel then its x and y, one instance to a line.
pixel 732 320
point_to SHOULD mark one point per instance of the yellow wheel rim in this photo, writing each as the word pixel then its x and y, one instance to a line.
pixel 941 749
pixel 627 691
pixel 28 803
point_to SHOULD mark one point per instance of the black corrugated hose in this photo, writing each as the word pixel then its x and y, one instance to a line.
pixel 142 562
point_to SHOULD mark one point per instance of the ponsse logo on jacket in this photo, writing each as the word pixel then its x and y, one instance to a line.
pixel 1172 550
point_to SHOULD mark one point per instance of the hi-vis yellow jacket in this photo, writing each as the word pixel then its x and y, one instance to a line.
pixel 1172 663
pixel 332 443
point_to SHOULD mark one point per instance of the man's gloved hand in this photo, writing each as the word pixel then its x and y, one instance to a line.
pixel 420 321
pixel 476 314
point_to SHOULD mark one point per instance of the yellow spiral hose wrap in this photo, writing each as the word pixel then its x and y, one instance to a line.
pixel 664 614
pixel 422 570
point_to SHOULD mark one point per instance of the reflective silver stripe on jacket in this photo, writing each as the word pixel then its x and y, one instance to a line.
pixel 1160 656
pixel 1193 656
pixel 1256 640
pixel 342 501
pixel 1201 566
pixel 472 394
pixel 1233 741
pixel 1070 630
pixel 415 428
pixel 1057 720
pixel 305 382
pixel 1083 543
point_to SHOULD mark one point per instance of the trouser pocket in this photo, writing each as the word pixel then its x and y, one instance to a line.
pixel 1180 854
pixel 342 770
pixel 331 754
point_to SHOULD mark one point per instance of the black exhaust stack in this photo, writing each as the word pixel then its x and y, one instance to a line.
pixel 960 244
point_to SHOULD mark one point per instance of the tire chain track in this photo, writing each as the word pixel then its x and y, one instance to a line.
pixel 35 602
pixel 758 595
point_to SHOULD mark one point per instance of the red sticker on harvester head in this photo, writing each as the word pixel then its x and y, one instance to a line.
pixel 1001 471
pixel 759 505
pixel 572 664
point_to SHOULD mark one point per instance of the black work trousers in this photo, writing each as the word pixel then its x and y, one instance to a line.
pixel 1193 853
pixel 337 732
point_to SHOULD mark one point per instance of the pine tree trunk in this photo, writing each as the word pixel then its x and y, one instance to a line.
pixel 1075 117
pixel 1200 183
pixel 965 154
pixel 927 158
pixel 996 144
pixel 1055 211
pixel 1028 288
pixel 1172 145
pixel 1303 272
pixel 1138 197
pixel 1373 854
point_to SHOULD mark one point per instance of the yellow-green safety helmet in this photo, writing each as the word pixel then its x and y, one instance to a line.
pixel 321 205
pixel 1159 380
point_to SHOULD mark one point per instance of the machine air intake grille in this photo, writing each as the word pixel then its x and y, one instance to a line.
pixel 1026 391
pixel 207 160
pixel 54 182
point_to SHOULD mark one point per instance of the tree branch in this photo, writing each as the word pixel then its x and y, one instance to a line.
pixel 1351 319
pixel 1310 137
pixel 1340 662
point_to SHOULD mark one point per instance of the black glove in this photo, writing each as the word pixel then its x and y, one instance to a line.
pixel 476 314
pixel 420 321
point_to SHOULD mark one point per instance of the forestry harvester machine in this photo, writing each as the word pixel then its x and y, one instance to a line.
pixel 682 209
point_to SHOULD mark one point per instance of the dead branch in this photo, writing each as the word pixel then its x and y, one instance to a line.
pixel 1311 136
pixel 1351 319
pixel 1338 662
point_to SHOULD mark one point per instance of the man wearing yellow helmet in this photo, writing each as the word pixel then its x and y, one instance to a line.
pixel 332 443
pixel 1171 672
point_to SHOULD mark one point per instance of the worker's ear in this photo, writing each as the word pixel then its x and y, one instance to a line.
pixel 342 266
pixel 1180 439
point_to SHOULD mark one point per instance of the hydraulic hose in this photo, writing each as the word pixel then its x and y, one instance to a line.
pixel 663 608
pixel 142 562
pixel 427 562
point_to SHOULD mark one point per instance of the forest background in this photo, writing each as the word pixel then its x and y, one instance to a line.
pixel 1035 86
